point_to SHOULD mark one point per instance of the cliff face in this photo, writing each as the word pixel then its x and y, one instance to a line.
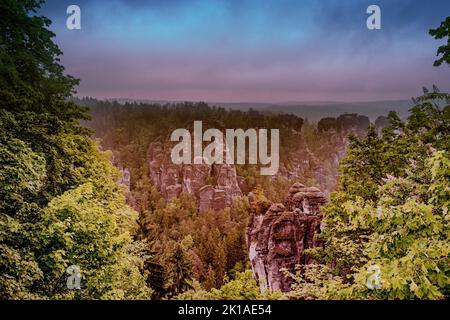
pixel 278 237
pixel 214 186
pixel 296 163
pixel 317 160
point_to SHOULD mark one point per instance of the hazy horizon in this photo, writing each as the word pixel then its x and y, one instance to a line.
pixel 287 103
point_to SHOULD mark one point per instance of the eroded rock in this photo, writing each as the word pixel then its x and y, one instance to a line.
pixel 214 186
pixel 278 238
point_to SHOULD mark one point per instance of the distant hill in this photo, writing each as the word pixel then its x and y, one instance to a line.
pixel 313 111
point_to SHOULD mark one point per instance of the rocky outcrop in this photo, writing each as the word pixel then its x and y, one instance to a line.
pixel 297 163
pixel 214 186
pixel 344 125
pixel 277 238
pixel 352 123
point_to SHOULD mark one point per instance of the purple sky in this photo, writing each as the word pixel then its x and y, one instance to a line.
pixel 266 51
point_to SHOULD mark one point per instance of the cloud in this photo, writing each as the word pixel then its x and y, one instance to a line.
pixel 251 50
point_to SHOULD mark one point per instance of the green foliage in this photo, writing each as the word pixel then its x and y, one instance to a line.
pixel 442 32
pixel 193 246
pixel 131 279
pixel 430 119
pixel 29 58
pixel 361 177
pixel 315 281
pixel 87 226
pixel 390 212
pixel 59 201
pixel 180 273
pixel 243 287
pixel 408 241
pixel 23 172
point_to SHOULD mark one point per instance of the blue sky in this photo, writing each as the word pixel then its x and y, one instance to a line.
pixel 273 50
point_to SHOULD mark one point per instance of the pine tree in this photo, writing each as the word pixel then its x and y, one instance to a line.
pixel 210 281
pixel 180 273
pixel 156 278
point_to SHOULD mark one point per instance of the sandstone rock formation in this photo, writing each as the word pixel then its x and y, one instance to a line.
pixel 345 124
pixel 278 237
pixel 318 161
pixel 214 186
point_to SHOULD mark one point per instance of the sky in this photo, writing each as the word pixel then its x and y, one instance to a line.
pixel 251 50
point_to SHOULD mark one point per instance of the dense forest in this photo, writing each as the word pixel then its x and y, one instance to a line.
pixel 63 200
pixel 171 227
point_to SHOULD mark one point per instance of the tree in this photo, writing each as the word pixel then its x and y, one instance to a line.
pixel 363 167
pixel 408 242
pixel 60 204
pixel 30 60
pixel 430 119
pixel 156 279
pixel 180 273
pixel 210 281
pixel 442 32
pixel 401 226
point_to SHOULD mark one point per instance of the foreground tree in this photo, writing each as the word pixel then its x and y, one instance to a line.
pixel 398 227
pixel 59 201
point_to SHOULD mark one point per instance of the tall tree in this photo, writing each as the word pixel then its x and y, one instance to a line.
pixel 180 273
pixel 60 204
